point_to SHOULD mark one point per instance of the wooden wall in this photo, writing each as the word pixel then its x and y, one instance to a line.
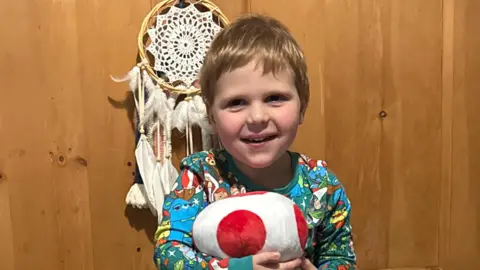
pixel 394 91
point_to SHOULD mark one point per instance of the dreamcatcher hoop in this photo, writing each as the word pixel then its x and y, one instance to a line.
pixel 156 94
pixel 144 30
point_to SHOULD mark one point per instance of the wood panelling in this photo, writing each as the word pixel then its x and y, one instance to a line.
pixel 394 91
pixel 459 233
pixel 382 58
pixel 106 36
pixel 41 132
pixel 463 234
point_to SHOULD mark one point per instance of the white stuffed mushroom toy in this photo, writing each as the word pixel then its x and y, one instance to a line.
pixel 251 223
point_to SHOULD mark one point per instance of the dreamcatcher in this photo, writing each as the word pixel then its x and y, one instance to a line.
pixel 172 43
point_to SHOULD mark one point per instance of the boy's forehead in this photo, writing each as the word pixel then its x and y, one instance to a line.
pixel 258 68
pixel 256 71
pixel 247 81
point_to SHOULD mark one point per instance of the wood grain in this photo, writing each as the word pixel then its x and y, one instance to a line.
pixel 464 231
pixel 383 124
pixel 448 87
pixel 107 33
pixel 8 10
pixel 48 201
pixel 394 91
pixel 7 260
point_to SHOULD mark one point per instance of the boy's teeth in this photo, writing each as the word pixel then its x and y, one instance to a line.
pixel 258 140
pixel 254 140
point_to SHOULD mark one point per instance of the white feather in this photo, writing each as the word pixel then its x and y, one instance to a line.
pixel 131 75
pixel 199 104
pixel 149 85
pixel 155 107
pixel 171 100
pixel 193 112
pixel 136 196
pixel 169 172
pixel 132 78
pixel 180 115
pixel 200 118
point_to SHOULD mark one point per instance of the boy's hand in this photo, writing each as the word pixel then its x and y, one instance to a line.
pixel 271 260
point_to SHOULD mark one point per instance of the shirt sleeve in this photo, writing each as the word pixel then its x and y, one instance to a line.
pixel 173 247
pixel 334 244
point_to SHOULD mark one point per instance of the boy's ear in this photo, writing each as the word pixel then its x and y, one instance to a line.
pixel 211 119
pixel 209 112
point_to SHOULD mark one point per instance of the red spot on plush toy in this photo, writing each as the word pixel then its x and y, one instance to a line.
pixel 302 226
pixel 236 237
pixel 251 223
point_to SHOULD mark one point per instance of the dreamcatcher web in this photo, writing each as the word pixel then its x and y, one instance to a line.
pixel 179 42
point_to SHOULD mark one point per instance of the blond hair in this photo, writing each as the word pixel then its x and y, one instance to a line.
pixel 260 38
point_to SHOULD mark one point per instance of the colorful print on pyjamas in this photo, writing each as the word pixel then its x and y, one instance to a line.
pixel 209 176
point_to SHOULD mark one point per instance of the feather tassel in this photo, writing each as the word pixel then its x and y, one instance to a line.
pixel 137 195
pixel 155 107
pixel 201 119
pixel 169 172
pixel 171 100
pixel 132 77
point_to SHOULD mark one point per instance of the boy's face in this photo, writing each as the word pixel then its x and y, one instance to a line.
pixel 256 116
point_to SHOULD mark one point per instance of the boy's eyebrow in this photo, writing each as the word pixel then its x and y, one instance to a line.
pixel 285 92
pixel 230 96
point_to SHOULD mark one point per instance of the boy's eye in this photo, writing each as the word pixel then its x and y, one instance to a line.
pixel 276 98
pixel 235 103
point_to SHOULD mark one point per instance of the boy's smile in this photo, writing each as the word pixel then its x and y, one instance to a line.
pixel 256 115
pixel 258 140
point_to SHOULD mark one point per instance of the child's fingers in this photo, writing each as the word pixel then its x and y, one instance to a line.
pixel 266 258
pixel 293 264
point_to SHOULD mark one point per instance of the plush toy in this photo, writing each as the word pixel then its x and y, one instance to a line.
pixel 250 223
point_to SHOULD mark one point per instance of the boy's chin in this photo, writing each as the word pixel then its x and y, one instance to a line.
pixel 259 165
pixel 255 160
pixel 259 162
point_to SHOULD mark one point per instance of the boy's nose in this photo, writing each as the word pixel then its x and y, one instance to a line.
pixel 258 115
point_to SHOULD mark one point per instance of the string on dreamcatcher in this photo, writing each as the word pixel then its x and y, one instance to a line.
pixel 172 43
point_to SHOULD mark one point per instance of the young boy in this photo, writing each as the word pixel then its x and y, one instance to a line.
pixel 255 85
